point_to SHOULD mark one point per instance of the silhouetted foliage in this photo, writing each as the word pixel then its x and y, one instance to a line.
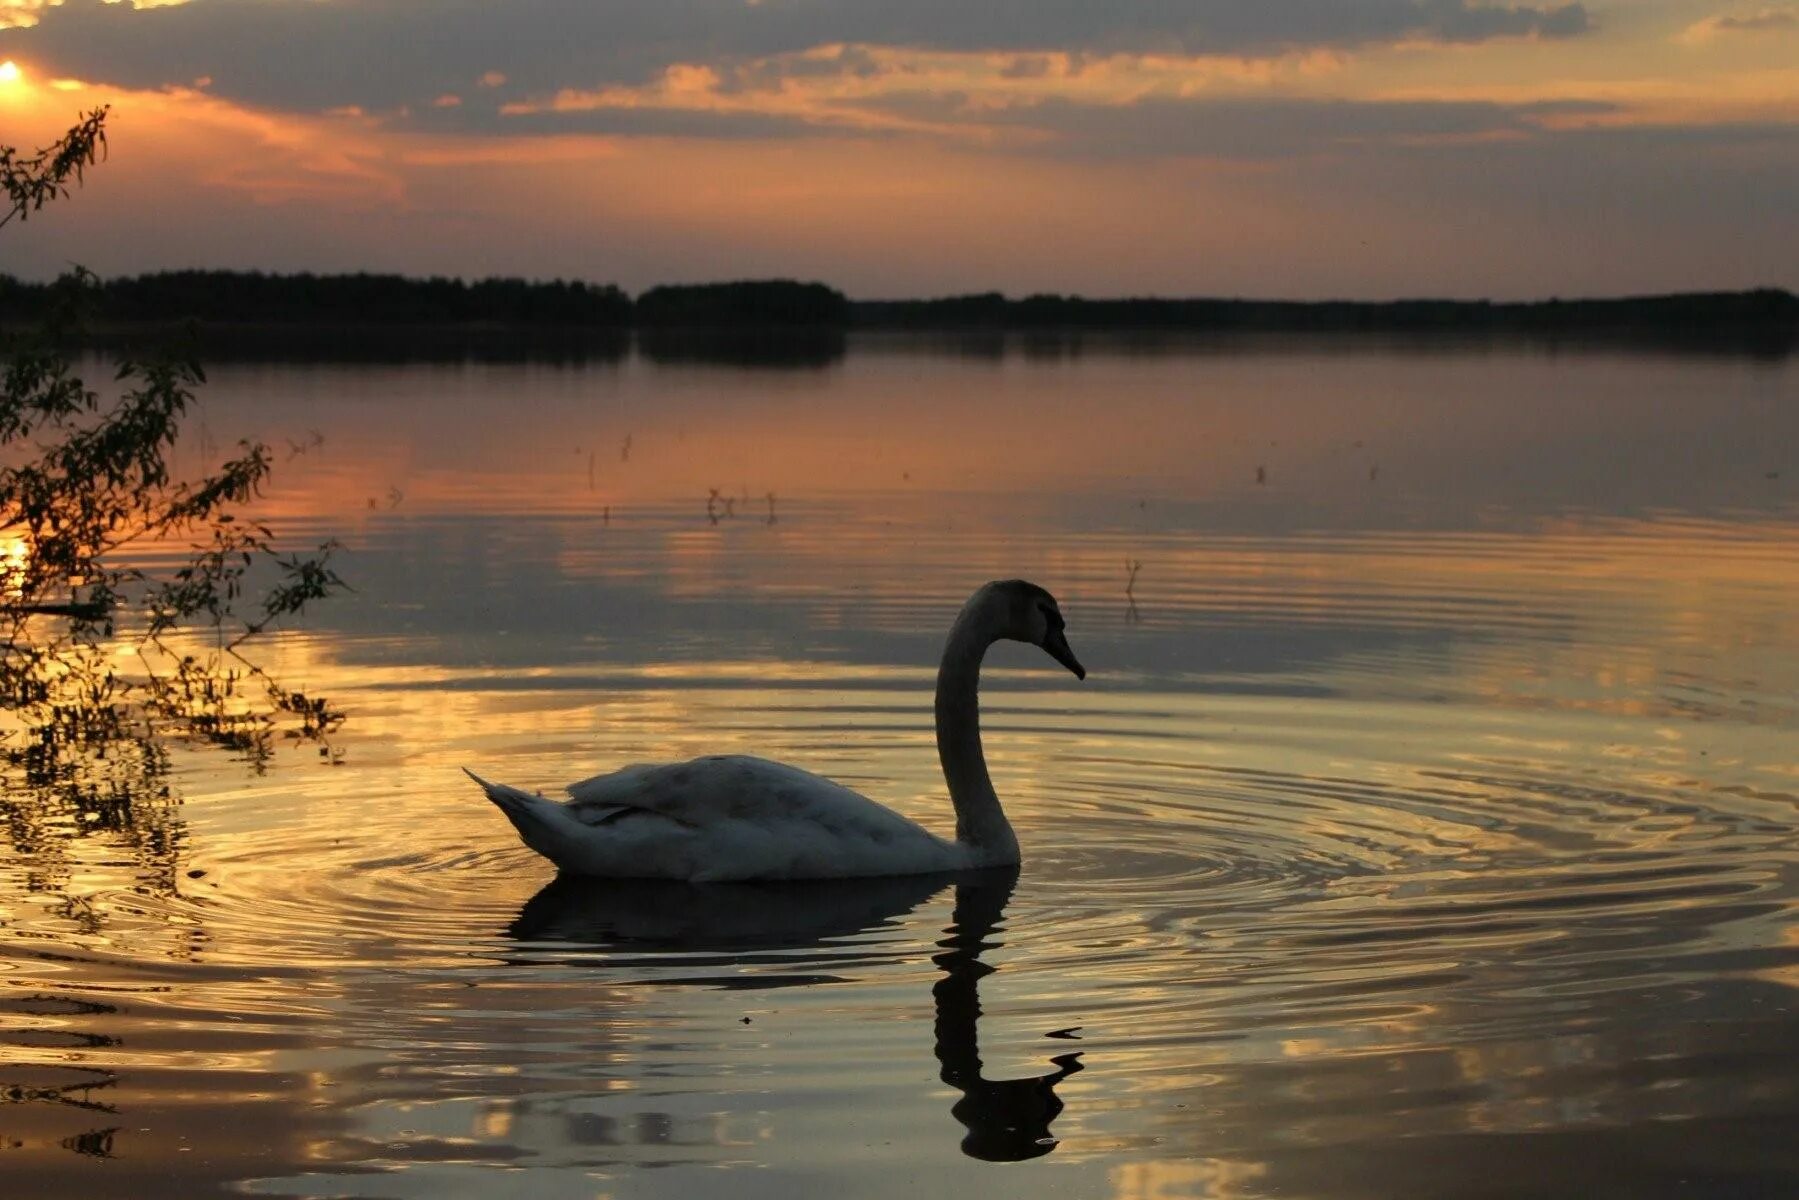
pixel 386 317
pixel 32 182
pixel 104 655
pixel 1766 320
pixel 747 302
pixel 252 297
pixel 977 311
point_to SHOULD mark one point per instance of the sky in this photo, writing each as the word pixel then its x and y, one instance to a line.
pixel 1270 148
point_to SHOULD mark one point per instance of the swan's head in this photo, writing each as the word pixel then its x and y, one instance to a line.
pixel 1024 612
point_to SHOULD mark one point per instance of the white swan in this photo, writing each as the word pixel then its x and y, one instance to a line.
pixel 732 817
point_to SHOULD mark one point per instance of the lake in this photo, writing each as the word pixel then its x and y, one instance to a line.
pixel 1425 826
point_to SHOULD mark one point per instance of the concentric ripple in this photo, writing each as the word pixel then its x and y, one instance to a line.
pixel 1442 830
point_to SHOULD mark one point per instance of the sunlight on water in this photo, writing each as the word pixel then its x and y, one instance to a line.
pixel 1425 827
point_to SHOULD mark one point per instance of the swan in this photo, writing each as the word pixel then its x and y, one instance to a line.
pixel 733 817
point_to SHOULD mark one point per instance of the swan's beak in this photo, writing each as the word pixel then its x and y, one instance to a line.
pixel 1056 644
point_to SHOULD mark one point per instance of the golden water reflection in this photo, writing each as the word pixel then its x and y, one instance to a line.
pixel 1408 830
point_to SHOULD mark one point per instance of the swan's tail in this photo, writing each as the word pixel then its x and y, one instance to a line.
pixel 521 808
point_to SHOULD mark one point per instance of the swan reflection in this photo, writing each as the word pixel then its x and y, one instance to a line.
pixel 647 913
pixel 1006 1120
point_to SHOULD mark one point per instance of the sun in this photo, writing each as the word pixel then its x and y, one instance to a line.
pixel 9 72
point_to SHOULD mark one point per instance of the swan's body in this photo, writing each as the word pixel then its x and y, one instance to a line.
pixel 733 817
pixel 723 817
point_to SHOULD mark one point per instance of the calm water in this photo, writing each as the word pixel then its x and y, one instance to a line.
pixel 1426 826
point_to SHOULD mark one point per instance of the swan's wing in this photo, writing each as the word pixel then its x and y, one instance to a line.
pixel 710 791
pixel 605 798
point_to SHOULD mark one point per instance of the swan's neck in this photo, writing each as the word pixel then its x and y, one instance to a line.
pixel 980 823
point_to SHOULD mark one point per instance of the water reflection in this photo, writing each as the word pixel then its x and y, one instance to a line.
pixel 44 1070
pixel 756 348
pixel 373 344
pixel 1008 1120
pixel 1417 827
pixel 713 916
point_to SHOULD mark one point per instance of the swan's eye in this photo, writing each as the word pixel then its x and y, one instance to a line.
pixel 1051 617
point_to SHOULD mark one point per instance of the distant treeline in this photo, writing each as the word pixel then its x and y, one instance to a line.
pixel 255 298
pixel 252 297
pixel 1769 309
pixel 1766 320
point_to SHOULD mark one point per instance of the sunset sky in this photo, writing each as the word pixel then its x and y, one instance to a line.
pixel 1301 148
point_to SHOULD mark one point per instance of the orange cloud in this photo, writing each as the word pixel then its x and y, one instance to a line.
pixel 929 173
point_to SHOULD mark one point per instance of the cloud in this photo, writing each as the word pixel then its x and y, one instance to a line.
pixel 605 120
pixel 385 56
pixel 1761 22
pixel 1373 201
pixel 1253 128
pixel 1113 115
pixel 1766 20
